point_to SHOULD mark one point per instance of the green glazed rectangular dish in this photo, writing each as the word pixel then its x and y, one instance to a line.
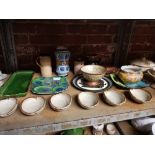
pixel 17 85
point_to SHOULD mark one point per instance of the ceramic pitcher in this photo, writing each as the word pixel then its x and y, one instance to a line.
pixel 44 62
pixel 62 61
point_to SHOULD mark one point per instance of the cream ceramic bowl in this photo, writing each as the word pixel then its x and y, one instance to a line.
pixel 33 105
pixel 8 107
pixel 60 102
pixel 87 100
pixel 114 98
pixel 93 73
pixel 140 95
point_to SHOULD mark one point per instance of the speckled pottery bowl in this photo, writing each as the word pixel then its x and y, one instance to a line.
pixel 60 102
pixel 130 74
pixel 93 73
pixel 140 95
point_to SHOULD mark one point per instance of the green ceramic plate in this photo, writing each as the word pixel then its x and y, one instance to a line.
pixel 140 84
pixel 51 85
pixel 17 85
pixel 117 81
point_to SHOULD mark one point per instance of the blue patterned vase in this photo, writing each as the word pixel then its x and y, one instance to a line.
pixel 62 61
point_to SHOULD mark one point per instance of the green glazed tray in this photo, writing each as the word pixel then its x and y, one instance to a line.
pixel 17 85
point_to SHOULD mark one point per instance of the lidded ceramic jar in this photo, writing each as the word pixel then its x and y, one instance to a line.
pixel 62 61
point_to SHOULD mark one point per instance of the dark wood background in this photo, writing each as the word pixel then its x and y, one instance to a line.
pixel 116 41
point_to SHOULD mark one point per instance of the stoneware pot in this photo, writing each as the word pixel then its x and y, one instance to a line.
pixel 87 100
pixel 33 105
pixel 93 73
pixel 140 95
pixel 60 102
pixel 130 74
pixel 62 61
pixel 8 107
pixel 114 98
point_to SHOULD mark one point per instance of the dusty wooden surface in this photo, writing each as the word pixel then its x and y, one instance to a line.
pixel 51 121
pixel 126 128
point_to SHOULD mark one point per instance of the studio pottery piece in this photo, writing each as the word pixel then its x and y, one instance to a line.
pixel 33 105
pixel 93 73
pixel 151 73
pixel 52 85
pixel 114 98
pixel 87 100
pixel 110 128
pixel 130 74
pixel 8 107
pixel 80 83
pixel 44 62
pixel 60 102
pixel 62 61
pixel 140 95
pixel 118 82
pixel 144 63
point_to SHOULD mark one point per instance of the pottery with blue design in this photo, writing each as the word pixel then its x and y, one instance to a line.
pixel 62 61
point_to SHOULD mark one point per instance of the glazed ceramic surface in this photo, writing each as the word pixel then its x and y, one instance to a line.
pixel 93 73
pixel 80 83
pixel 60 102
pixel 130 74
pixel 52 85
pixel 140 95
pixel 110 128
pixel 62 61
pixel 144 63
pixel 87 100
pixel 114 98
pixel 7 107
pixel 151 73
pixel 32 106
pixel 118 82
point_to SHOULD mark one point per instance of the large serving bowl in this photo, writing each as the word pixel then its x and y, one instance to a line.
pixel 130 74
pixel 93 73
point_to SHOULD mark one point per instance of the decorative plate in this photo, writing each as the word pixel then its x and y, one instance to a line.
pixel 50 85
pixel 118 82
pixel 80 83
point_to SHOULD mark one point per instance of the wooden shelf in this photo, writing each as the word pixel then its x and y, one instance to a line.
pixel 51 121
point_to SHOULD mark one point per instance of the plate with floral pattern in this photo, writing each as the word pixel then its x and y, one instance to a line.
pixel 50 85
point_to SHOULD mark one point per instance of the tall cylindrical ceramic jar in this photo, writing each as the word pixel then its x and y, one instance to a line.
pixel 62 61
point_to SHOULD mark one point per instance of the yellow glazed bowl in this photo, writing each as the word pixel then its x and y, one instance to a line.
pixel 130 74
pixel 93 73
